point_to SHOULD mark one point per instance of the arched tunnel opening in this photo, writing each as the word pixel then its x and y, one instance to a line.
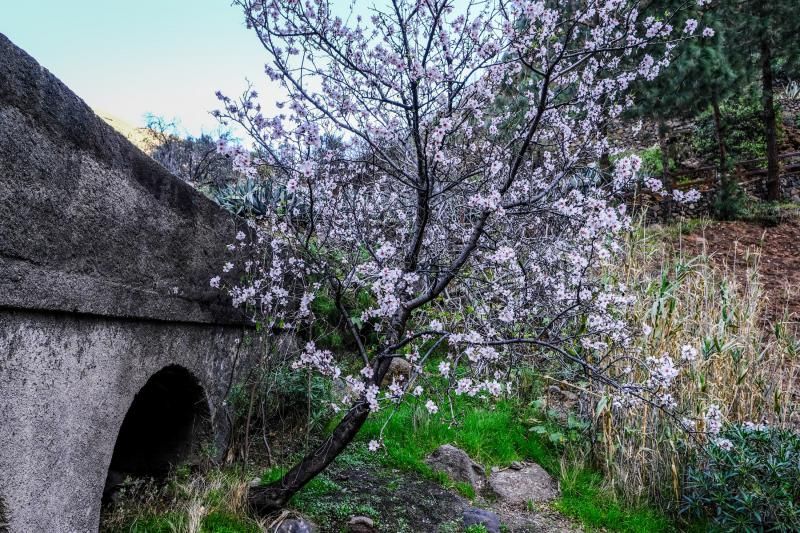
pixel 166 425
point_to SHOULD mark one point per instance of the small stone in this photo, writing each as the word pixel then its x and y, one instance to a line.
pixel 457 464
pixel 515 465
pixel 474 516
pixel 565 395
pixel 554 390
pixel 295 525
pixel 569 396
pixel 530 484
pixel 361 524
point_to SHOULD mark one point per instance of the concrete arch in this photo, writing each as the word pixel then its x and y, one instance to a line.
pixel 72 380
pixel 167 424
pixel 105 261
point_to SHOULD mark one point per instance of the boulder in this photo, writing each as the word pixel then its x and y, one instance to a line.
pixel 474 516
pixel 295 525
pixel 531 483
pixel 562 394
pixel 457 464
pixel 361 524
pixel 398 367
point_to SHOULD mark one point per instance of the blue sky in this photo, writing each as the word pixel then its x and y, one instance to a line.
pixel 131 57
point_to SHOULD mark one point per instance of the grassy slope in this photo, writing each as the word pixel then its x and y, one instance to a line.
pixel 496 435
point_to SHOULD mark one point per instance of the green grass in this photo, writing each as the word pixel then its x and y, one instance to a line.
pixel 325 511
pixel 220 522
pixel 583 497
pixel 161 523
pixel 490 434
pixel 495 435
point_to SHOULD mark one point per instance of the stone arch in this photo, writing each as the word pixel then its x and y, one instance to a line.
pixel 166 424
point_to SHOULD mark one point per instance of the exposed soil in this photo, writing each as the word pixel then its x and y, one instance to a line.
pixel 402 502
pixel 736 245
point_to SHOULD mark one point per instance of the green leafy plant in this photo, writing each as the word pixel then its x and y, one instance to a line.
pixel 652 162
pixel 749 480
pixel 730 202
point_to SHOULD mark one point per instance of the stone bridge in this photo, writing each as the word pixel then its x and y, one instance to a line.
pixel 115 354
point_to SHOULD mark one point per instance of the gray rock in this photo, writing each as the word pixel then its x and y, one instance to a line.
pixel 457 464
pixel 530 484
pixel 361 524
pixel 562 394
pixel 474 516
pixel 295 525
pixel 398 367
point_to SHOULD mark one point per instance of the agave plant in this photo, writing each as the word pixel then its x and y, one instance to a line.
pixel 792 90
pixel 255 197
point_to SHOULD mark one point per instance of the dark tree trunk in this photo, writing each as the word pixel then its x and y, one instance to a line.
pixel 605 163
pixel 264 500
pixel 605 157
pixel 666 178
pixel 770 124
pixel 723 162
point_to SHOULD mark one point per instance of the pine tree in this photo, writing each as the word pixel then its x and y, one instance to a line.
pixel 699 77
pixel 764 35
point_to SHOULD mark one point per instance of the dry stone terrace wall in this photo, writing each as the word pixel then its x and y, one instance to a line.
pixel 104 266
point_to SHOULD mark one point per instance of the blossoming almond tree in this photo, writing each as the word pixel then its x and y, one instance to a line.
pixel 460 193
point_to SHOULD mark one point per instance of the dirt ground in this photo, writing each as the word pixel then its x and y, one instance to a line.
pixel 734 245
pixel 403 502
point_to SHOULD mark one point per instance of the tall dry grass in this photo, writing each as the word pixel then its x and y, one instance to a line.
pixel 180 503
pixel 745 366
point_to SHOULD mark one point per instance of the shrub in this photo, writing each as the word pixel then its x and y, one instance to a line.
pixel 730 202
pixel 750 482
pixel 747 373
pixel 764 213
pixel 652 163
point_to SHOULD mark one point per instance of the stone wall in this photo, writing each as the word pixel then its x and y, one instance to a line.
pixel 104 266
pixel 755 187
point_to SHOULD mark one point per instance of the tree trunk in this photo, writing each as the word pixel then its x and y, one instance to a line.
pixel 723 163
pixel 605 158
pixel 605 164
pixel 663 143
pixel 770 125
pixel 264 500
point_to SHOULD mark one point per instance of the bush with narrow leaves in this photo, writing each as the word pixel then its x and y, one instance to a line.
pixel 749 480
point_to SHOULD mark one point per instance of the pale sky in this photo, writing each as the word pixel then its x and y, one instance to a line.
pixel 132 57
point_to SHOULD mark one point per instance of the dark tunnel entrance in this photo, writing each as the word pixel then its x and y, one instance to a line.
pixel 166 425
